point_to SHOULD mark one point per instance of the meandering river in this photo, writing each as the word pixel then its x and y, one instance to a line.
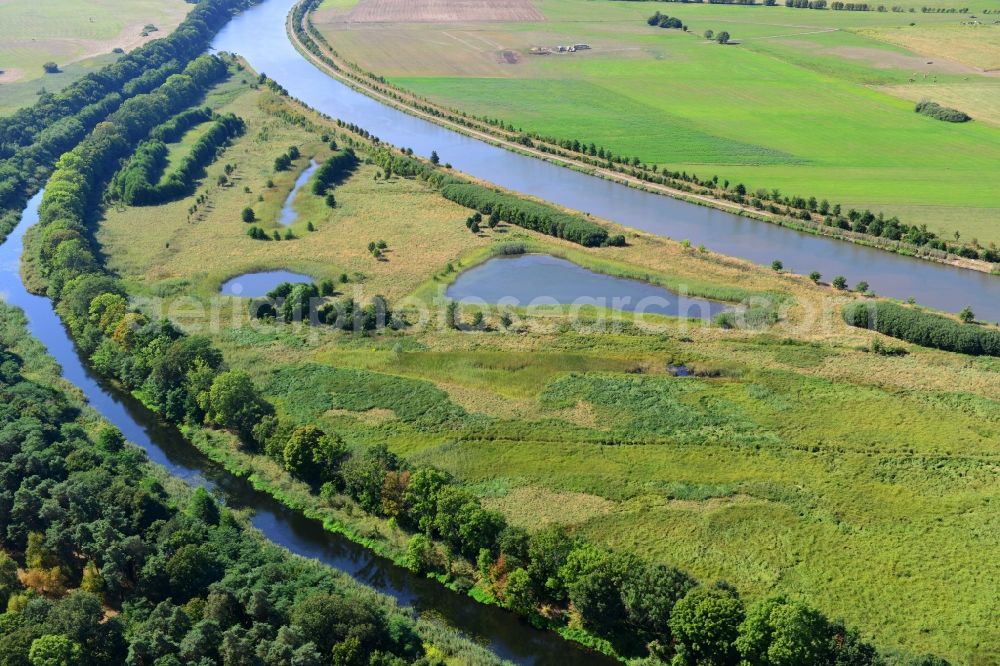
pixel 503 632
pixel 259 36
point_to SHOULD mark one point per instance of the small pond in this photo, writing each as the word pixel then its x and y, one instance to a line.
pixel 256 285
pixel 540 279
pixel 288 214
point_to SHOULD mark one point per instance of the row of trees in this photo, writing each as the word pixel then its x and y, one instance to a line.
pixel 118 570
pixel 498 205
pixel 334 169
pixel 528 214
pixel 806 4
pixel 139 183
pixel 33 138
pixel 173 130
pixel 924 328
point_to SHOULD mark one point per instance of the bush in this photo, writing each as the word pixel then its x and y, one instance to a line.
pixel 935 110
pixel 923 328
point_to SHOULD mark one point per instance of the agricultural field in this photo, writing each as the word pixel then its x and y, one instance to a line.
pixel 77 36
pixel 795 462
pixel 814 103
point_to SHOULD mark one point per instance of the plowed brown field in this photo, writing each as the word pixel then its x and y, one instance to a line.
pixel 442 11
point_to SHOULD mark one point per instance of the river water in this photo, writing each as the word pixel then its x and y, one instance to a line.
pixel 259 36
pixel 503 632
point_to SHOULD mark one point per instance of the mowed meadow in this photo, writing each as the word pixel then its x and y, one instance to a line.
pixel 797 462
pixel 77 36
pixel 814 103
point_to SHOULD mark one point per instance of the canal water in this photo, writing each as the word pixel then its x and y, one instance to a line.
pixel 259 35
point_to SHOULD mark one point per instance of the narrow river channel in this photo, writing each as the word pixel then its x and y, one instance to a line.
pixel 503 632
pixel 259 36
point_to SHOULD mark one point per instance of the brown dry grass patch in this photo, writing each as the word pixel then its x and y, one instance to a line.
pixel 975 46
pixel 534 507
pixel 442 11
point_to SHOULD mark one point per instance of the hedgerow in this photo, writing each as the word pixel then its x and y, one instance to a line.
pixel 527 214
pixel 137 185
pixel 335 168
pixel 923 328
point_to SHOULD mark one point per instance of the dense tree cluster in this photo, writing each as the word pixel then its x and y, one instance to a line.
pixel 312 304
pixel 116 570
pixel 923 328
pixel 935 110
pixel 663 21
pixel 34 137
pixel 284 161
pixel 139 183
pixel 528 214
pixel 334 169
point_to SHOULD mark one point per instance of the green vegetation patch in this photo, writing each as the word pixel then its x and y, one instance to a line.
pixel 637 408
pixel 309 389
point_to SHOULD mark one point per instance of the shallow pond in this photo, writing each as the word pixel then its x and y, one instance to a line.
pixel 288 214
pixel 256 285
pixel 541 279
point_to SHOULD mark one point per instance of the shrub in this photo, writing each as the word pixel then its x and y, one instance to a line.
pixel 923 328
pixel 935 110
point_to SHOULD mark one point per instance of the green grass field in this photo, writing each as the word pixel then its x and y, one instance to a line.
pixel 78 36
pixel 808 467
pixel 810 102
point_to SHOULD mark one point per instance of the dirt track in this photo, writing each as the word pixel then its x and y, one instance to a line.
pixel 442 11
